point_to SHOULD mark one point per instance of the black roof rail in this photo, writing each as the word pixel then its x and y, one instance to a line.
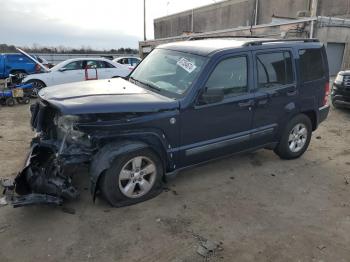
pixel 221 36
pixel 260 42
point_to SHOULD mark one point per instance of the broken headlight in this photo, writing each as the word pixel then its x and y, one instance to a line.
pixel 67 124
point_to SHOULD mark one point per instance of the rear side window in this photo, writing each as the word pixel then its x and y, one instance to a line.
pixel 311 64
pixel 104 64
pixel 274 69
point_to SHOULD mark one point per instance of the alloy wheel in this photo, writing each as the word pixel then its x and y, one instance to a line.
pixel 297 137
pixel 137 177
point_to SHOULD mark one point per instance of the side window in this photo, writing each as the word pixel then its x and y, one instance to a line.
pixel 107 65
pixel 311 64
pixel 92 64
pixel 134 61
pixel 274 69
pixel 103 64
pixel 230 77
pixel 77 65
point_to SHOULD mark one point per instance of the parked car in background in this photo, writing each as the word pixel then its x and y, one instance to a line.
pixel 185 104
pixel 340 95
pixel 131 61
pixel 18 65
pixel 75 70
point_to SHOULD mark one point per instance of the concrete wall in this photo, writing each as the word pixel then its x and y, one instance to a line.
pixel 234 13
pixel 227 14
pixel 336 35
pixel 338 8
pixel 224 15
pixel 285 8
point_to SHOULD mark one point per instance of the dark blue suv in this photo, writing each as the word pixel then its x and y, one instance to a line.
pixel 186 103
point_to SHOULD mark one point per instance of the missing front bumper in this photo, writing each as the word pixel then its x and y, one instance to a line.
pixel 42 180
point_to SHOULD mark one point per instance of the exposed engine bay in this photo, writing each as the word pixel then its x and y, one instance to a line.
pixel 57 146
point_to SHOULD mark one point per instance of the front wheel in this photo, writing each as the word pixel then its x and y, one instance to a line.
pixel 37 86
pixel 295 138
pixel 132 178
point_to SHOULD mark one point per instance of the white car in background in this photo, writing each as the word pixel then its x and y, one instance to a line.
pixel 75 70
pixel 130 61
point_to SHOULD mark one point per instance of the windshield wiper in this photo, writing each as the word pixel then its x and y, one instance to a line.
pixel 148 84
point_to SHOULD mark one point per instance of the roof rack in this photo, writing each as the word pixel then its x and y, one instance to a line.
pixel 221 36
pixel 260 42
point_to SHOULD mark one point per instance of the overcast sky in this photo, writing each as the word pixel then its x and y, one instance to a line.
pixel 101 24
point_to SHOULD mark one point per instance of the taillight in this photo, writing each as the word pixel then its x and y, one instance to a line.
pixel 326 93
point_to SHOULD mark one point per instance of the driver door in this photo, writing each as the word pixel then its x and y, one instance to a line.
pixel 220 121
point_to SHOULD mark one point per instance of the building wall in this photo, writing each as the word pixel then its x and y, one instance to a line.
pixel 284 8
pixel 227 14
pixel 234 13
pixel 338 8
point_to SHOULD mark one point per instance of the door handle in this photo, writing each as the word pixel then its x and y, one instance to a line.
pixel 246 104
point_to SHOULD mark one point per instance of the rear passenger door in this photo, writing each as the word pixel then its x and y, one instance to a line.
pixel 276 93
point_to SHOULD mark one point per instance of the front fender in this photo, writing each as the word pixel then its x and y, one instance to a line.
pixel 105 156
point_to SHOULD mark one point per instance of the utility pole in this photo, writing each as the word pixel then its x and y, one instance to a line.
pixel 144 20
pixel 313 13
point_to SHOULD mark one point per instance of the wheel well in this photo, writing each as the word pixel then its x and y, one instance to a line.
pixel 32 80
pixel 312 116
pixel 17 70
pixel 102 160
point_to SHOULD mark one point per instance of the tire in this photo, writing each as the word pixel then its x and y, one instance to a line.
pixel 23 100
pixel 294 133
pixel 19 75
pixel 10 101
pixel 37 86
pixel 123 190
pixel 334 104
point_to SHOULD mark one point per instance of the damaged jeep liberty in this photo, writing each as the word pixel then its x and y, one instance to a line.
pixel 186 103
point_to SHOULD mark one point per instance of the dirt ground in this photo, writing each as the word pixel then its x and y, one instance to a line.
pixel 256 206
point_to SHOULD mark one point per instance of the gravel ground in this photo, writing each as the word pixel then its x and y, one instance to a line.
pixel 256 207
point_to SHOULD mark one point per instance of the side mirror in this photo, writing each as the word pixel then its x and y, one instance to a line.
pixel 212 96
pixel 62 69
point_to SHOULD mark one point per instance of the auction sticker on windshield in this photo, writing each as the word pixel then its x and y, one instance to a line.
pixel 186 65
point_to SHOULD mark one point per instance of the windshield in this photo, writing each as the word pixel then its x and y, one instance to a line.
pixel 169 71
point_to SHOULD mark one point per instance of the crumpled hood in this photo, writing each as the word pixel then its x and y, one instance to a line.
pixel 105 96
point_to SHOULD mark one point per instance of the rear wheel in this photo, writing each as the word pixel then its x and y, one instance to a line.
pixel 37 86
pixel 132 178
pixel 10 101
pixel 296 138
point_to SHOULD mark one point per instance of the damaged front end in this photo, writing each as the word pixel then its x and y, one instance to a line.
pixel 46 177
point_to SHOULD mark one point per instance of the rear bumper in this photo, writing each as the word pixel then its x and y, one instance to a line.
pixel 323 113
